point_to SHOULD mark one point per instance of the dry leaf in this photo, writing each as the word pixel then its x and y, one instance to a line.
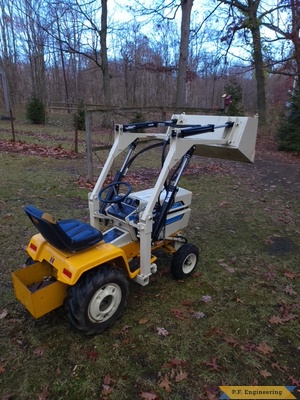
pixel 187 303
pixel 198 314
pixel 265 374
pixel 2 369
pixel 248 347
pixel 276 320
pixel 264 348
pixel 148 396
pixel 39 351
pixel 281 320
pixel 181 377
pixel 178 313
pixel 290 290
pixel 213 364
pixel 294 381
pixel 44 394
pixel 206 299
pixel 143 321
pixel 162 331
pixel 290 275
pixel 164 383
pixel 93 355
pixel 174 362
pixel 277 366
pixel 4 313
pixel 232 341
pixel 215 331
pixel 106 390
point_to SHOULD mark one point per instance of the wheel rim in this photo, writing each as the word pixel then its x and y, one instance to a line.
pixel 189 263
pixel 105 302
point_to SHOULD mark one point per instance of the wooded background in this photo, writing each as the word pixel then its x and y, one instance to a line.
pixel 181 53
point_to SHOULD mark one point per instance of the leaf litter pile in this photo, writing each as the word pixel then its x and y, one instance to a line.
pixel 235 322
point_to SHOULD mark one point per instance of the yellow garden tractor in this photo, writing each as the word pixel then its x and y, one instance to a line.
pixel 86 267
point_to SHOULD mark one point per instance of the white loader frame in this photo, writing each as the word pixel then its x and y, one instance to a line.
pixel 211 136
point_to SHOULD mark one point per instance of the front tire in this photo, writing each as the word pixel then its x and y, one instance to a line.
pixel 97 300
pixel 185 261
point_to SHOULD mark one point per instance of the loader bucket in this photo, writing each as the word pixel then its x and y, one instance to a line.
pixel 36 288
pixel 240 138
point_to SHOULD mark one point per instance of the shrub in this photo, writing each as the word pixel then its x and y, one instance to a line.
pixel 235 90
pixel 288 134
pixel 35 111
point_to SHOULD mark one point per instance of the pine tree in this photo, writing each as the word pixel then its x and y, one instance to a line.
pixel 289 129
pixel 35 111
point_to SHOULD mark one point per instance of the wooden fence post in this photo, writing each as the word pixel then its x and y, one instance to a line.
pixel 89 152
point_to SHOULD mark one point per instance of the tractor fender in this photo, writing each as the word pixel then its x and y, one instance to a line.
pixel 68 267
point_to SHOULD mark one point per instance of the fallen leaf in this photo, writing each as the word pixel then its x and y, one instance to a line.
pixel 214 331
pixel 290 317
pixel 276 320
pixel 174 362
pixel 8 215
pixel 198 314
pixel 213 364
pixel 143 321
pixel 248 347
pixel 282 320
pixel 264 348
pixel 230 269
pixel 181 377
pixel 265 374
pixel 107 380
pixel 290 275
pixel 232 341
pixel 44 394
pixel 178 313
pixel 294 381
pixel 2 369
pixel 93 355
pixel 164 383
pixel 187 303
pixel 290 290
pixel 206 299
pixel 269 276
pixel 162 331
pixel 148 396
pixel 4 313
pixel 39 351
pixel 277 366
pixel 212 392
pixel 224 204
pixel 106 390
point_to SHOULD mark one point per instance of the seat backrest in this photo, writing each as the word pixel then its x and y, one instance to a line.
pixel 48 227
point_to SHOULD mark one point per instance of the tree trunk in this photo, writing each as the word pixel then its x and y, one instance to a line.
pixel 295 9
pixel 186 8
pixel 260 77
pixel 104 58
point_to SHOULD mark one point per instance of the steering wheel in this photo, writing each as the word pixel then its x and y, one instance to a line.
pixel 109 194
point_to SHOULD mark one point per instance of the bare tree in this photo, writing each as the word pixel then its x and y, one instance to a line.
pixel 8 48
pixel 287 30
pixel 249 19
pixel 186 9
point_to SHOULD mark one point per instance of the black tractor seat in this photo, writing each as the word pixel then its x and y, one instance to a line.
pixel 68 234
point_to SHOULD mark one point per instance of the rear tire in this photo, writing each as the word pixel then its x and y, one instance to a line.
pixel 97 300
pixel 185 261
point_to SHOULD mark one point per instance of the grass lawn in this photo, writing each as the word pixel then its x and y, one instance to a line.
pixel 235 322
